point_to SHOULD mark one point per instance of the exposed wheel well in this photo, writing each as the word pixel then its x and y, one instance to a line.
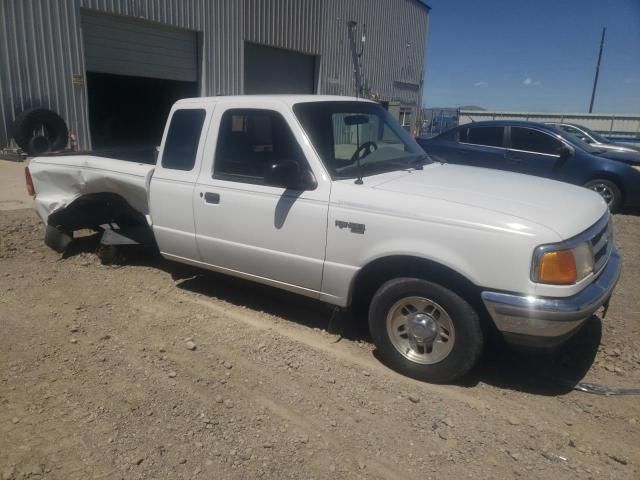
pixel 379 271
pixel 93 210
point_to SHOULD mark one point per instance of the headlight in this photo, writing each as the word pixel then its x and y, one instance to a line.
pixel 562 266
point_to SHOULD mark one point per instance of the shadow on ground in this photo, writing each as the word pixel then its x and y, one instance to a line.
pixel 538 372
pixel 553 373
pixel 630 211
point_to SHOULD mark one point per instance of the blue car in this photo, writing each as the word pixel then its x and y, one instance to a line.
pixel 544 151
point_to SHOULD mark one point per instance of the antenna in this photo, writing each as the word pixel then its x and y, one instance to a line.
pixel 595 80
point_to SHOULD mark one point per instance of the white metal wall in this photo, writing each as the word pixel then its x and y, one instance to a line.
pixel 42 54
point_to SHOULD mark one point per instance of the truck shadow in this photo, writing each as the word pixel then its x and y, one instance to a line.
pixel 547 374
pixel 542 373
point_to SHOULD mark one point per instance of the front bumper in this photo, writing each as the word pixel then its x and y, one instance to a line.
pixel 547 321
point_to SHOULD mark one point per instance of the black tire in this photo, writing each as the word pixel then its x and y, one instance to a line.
pixel 468 339
pixel 26 128
pixel 609 191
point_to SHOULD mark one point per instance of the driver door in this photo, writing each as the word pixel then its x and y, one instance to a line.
pixel 248 227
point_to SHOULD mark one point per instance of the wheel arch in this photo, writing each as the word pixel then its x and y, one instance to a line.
pixel 94 209
pixel 371 276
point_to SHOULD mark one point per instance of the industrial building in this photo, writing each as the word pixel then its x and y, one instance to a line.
pixel 112 68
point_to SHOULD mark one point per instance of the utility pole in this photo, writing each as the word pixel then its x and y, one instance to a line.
pixel 595 80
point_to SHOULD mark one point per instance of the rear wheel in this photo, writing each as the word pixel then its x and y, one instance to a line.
pixel 424 330
pixel 608 190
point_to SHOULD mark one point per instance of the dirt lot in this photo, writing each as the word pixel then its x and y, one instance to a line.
pixel 97 382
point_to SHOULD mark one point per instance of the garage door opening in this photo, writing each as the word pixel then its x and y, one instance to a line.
pixel 130 112
pixel 275 70
pixel 135 71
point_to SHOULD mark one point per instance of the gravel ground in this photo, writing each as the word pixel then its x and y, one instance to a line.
pixel 152 370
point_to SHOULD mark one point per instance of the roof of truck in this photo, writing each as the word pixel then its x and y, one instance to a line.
pixel 285 98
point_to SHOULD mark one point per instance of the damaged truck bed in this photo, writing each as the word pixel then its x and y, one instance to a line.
pixel 86 191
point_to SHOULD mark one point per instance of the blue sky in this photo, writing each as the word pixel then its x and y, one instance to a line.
pixel 533 55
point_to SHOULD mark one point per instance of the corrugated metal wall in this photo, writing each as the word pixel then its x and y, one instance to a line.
pixel 40 50
pixel 41 46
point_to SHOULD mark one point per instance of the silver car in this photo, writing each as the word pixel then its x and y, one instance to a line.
pixel 594 139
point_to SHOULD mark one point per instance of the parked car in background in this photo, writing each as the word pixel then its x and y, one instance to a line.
pixel 592 138
pixel 541 150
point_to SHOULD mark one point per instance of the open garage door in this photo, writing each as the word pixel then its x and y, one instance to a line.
pixel 123 46
pixel 135 71
pixel 275 70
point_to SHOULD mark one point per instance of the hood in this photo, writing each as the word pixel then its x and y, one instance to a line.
pixel 631 157
pixel 561 207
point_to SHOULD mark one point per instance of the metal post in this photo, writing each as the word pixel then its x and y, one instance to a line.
pixel 355 56
pixel 595 80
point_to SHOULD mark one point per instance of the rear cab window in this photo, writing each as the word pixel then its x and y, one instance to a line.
pixel 485 136
pixel 183 137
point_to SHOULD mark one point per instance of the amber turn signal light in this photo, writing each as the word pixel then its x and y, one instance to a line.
pixel 558 267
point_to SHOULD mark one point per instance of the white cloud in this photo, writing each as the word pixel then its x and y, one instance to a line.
pixel 481 84
pixel 530 82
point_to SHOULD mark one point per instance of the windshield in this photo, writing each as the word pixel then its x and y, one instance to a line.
pixel 575 140
pixel 346 133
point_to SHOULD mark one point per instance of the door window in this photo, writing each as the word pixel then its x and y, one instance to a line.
pixel 534 141
pixel 250 141
pixel 489 136
pixel 182 141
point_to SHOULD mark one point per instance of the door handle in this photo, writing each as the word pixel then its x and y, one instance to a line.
pixel 211 197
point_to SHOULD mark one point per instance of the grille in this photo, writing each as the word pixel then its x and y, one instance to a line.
pixel 601 245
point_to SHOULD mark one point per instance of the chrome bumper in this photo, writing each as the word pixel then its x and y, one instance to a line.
pixel 551 318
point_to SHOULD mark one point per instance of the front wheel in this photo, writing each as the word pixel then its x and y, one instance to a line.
pixel 424 330
pixel 609 192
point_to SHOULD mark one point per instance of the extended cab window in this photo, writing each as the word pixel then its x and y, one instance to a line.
pixel 250 141
pixel 488 136
pixel 534 141
pixel 181 145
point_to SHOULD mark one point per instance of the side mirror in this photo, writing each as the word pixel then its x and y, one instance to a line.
pixel 288 174
pixel 566 152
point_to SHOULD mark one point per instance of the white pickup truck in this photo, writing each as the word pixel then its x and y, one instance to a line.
pixel 329 197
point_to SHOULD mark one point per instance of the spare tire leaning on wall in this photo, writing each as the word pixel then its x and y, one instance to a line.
pixel 39 130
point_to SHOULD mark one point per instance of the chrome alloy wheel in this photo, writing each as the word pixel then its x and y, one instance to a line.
pixel 421 330
pixel 604 191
